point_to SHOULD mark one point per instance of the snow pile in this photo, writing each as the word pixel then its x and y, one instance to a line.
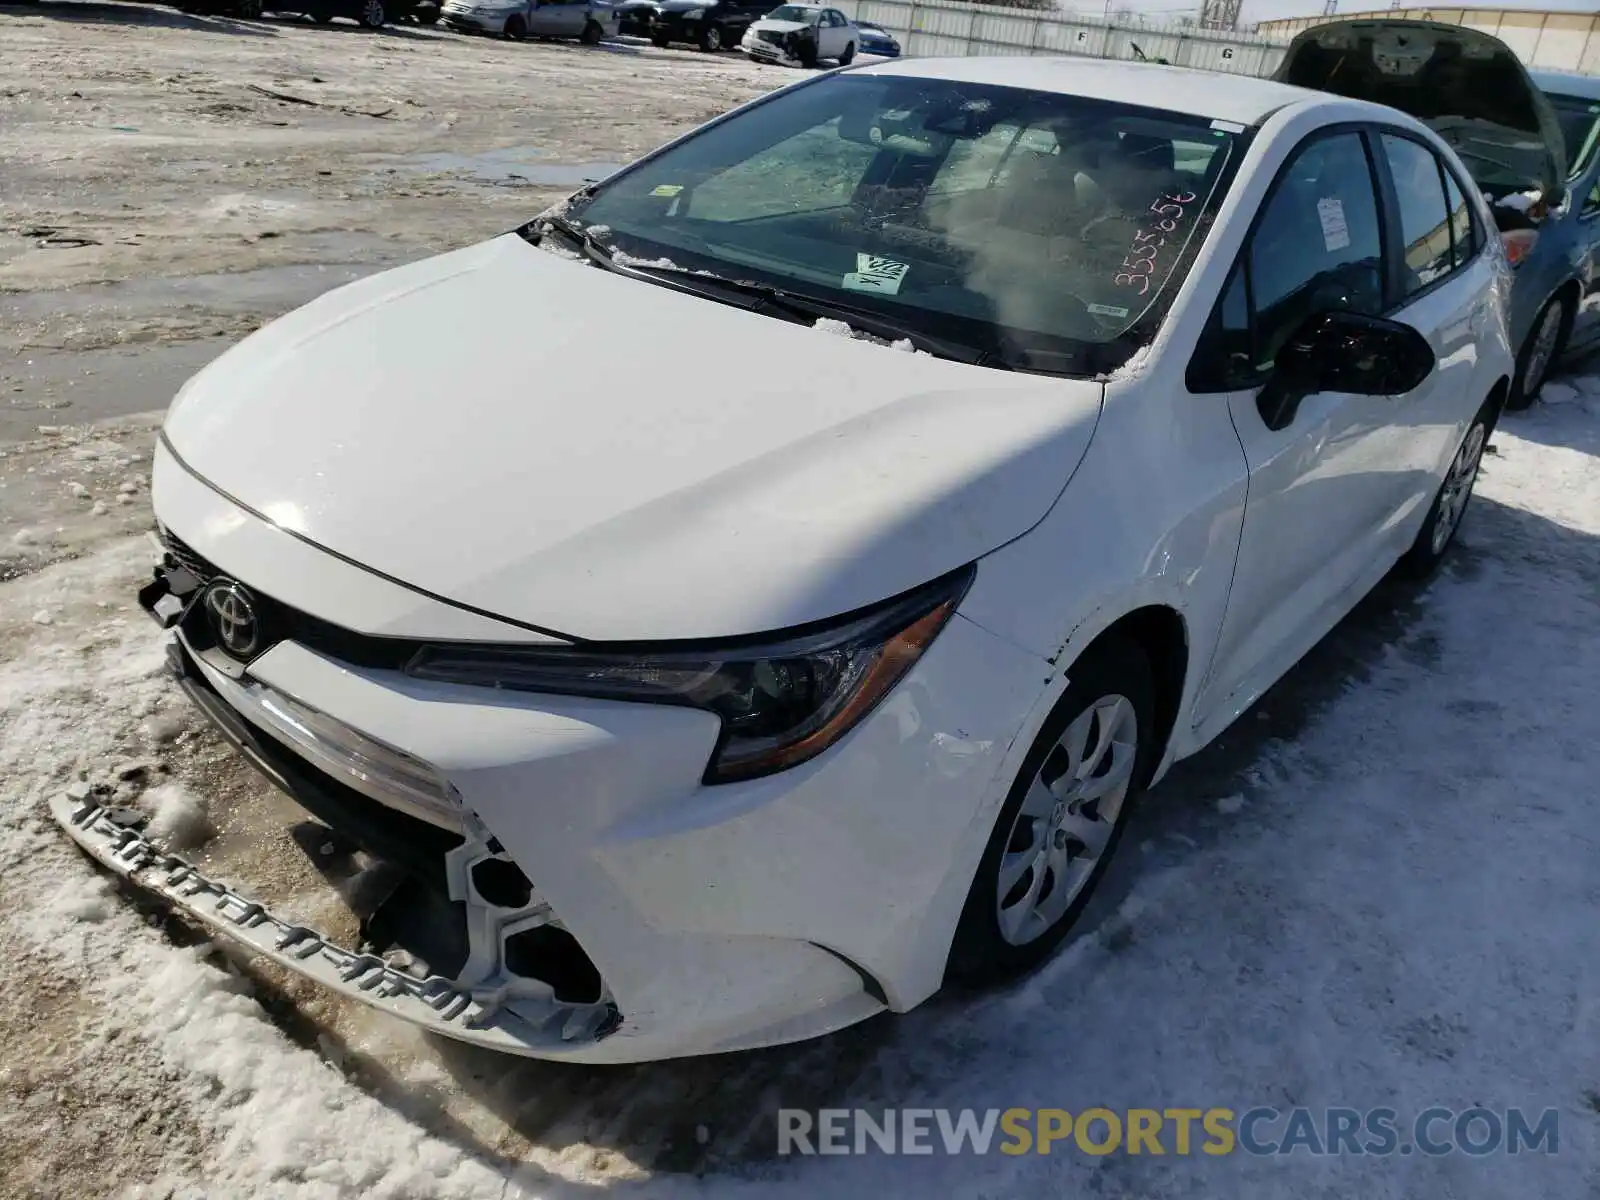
pixel 836 328
pixel 1517 201
pixel 1137 364
pixel 623 259
pixel 179 820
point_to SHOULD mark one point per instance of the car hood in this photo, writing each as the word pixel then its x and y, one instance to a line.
pixel 612 460
pixel 1466 85
pixel 772 26
pixel 682 6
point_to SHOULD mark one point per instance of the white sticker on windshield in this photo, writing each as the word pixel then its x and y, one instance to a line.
pixel 1107 310
pixel 876 274
pixel 1228 126
pixel 1335 233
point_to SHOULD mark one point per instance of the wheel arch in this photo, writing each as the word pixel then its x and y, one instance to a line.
pixel 1160 631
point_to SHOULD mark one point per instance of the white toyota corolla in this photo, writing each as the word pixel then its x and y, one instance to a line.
pixel 966 442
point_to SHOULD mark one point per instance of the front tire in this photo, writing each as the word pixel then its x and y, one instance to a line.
pixel 711 39
pixel 1545 344
pixel 1450 502
pixel 848 56
pixel 1062 820
pixel 591 35
pixel 372 15
pixel 247 10
pixel 515 29
pixel 660 41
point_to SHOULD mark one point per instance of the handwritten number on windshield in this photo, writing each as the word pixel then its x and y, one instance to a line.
pixel 1140 263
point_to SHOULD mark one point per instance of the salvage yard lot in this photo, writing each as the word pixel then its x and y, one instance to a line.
pixel 1379 889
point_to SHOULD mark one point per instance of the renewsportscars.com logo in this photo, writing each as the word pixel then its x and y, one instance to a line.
pixel 1210 1131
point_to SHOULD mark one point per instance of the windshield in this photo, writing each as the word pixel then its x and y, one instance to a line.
pixel 1578 118
pixel 791 12
pixel 990 215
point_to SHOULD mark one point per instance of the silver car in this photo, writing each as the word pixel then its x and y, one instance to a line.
pixel 587 20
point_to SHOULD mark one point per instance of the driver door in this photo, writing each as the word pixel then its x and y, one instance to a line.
pixel 1324 481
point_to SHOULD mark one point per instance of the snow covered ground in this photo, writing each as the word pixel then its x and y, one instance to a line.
pixel 1379 890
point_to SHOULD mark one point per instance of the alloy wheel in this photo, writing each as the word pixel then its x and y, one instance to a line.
pixel 1543 348
pixel 1457 489
pixel 1067 818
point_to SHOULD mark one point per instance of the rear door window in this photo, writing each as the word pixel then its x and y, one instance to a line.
pixel 1424 216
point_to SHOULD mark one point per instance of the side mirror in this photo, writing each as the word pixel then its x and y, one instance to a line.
pixel 1341 351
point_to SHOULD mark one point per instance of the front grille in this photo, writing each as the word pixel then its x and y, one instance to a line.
pixel 767 35
pixel 187 558
pixel 284 623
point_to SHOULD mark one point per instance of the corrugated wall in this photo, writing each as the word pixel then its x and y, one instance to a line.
pixel 928 28
pixel 1556 41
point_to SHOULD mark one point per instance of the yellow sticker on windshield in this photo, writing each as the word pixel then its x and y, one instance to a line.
pixel 666 189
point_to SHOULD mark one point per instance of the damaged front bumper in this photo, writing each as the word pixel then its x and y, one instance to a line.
pixel 543 1023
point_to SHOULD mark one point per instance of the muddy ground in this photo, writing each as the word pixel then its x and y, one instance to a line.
pixel 155 194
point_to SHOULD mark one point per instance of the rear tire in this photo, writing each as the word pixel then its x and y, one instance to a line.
pixel 428 16
pixel 372 15
pixel 247 10
pixel 660 42
pixel 591 35
pixel 1543 348
pixel 1439 529
pixel 711 39
pixel 1061 822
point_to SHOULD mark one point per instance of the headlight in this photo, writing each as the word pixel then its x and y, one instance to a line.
pixel 782 699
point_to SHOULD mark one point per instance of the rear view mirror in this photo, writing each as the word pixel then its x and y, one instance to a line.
pixel 1343 351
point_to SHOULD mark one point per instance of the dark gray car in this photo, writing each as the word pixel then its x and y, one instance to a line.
pixel 1474 91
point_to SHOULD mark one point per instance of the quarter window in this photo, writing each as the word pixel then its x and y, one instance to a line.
pixel 1463 229
pixel 1424 217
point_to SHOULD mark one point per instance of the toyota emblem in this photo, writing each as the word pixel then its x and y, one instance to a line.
pixel 234 621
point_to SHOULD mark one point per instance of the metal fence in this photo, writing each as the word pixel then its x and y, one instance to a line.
pixel 942 27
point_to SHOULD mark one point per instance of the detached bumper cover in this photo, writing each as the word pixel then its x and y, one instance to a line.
pixel 433 1003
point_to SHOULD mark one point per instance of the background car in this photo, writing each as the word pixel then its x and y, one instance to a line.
pixel 876 40
pixel 372 14
pixel 801 35
pixel 1576 100
pixel 708 24
pixel 1474 91
pixel 587 20
pixel 633 17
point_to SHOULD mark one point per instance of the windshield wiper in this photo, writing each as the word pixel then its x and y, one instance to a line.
pixel 796 305
pixel 592 247
pixel 755 297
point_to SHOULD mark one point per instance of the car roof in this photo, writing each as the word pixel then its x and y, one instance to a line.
pixel 1239 98
pixel 1565 83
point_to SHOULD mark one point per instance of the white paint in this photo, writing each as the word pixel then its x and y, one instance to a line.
pixel 550 480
